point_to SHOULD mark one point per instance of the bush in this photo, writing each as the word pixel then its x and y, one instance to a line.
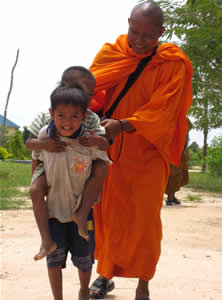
pixel 196 158
pixel 214 157
pixel 3 153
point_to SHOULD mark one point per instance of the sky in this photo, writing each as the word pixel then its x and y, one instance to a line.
pixel 52 36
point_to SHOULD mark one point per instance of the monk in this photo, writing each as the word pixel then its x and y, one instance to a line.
pixel 150 120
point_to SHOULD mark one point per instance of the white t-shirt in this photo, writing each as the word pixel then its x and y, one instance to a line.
pixel 66 174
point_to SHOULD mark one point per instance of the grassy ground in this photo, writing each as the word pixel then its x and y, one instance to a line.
pixel 205 182
pixel 13 176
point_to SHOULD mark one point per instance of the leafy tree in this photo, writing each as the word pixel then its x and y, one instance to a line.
pixel 195 157
pixel 194 147
pixel 15 146
pixel 25 134
pixel 198 26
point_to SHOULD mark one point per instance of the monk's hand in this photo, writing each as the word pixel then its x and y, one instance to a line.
pixel 112 127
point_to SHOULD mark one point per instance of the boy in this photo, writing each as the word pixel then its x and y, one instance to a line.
pixel 66 174
pixel 39 186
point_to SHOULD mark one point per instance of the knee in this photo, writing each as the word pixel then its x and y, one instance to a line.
pixel 38 190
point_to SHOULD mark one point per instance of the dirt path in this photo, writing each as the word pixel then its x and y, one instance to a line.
pixel 190 266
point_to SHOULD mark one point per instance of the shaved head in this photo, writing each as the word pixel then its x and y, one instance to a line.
pixel 145 27
pixel 148 10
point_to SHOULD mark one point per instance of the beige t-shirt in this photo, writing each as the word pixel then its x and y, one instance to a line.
pixel 66 174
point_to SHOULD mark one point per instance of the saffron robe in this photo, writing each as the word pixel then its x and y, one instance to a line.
pixel 127 220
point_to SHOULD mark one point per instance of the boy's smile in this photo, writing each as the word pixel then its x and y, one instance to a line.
pixel 67 119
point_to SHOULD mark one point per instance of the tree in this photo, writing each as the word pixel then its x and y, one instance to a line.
pixel 25 134
pixel 8 96
pixel 194 147
pixel 198 26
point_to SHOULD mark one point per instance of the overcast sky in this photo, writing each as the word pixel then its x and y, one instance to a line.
pixel 51 36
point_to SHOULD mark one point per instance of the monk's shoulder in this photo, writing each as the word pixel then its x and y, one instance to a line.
pixel 170 69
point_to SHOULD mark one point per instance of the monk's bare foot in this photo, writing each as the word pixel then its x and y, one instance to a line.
pixel 83 295
pixel 82 225
pixel 45 249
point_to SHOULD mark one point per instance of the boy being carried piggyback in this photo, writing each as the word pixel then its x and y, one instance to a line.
pixel 66 174
pixel 51 143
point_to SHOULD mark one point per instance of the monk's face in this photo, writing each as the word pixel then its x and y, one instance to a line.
pixel 143 34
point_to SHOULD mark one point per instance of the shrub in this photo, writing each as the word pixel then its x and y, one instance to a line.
pixel 195 158
pixel 214 157
pixel 3 153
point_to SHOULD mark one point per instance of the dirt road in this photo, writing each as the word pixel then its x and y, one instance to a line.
pixel 190 266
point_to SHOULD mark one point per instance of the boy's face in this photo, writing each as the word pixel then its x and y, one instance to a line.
pixel 67 118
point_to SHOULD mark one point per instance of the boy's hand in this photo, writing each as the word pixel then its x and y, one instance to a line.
pixel 89 140
pixel 94 140
pixel 48 144
pixel 53 145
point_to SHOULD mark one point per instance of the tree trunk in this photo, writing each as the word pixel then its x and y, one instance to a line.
pixel 7 100
pixel 205 133
pixel 205 146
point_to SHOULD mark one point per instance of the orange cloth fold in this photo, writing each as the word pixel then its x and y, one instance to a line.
pixel 127 220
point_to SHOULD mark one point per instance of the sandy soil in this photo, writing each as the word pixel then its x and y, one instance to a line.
pixel 190 266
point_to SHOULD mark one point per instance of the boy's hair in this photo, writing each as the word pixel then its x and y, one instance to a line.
pixel 76 96
pixel 71 75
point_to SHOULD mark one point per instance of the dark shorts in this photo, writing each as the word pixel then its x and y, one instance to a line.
pixel 68 240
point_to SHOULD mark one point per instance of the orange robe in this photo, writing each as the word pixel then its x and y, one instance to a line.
pixel 127 220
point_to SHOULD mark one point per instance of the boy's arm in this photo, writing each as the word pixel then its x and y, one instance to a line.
pixel 48 144
pixel 92 122
pixel 97 136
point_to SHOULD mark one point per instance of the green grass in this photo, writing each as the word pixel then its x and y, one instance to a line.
pixel 13 176
pixel 193 198
pixel 205 182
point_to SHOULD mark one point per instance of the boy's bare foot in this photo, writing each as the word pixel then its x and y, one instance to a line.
pixel 45 249
pixel 83 295
pixel 82 225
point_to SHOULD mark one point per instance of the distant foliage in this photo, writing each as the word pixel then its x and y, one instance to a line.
pixel 3 153
pixel 25 134
pixel 15 146
pixel 196 157
pixel 194 147
pixel 214 157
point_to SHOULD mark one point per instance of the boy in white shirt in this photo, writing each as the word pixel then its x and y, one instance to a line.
pixel 39 185
pixel 66 174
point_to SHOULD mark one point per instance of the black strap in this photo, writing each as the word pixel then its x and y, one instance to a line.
pixel 121 144
pixel 130 81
